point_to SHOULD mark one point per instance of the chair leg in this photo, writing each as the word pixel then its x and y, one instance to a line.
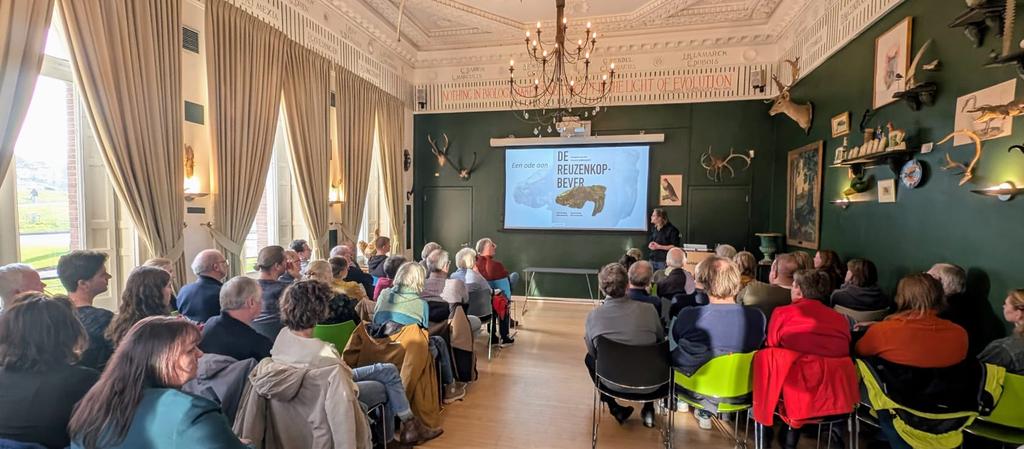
pixel 595 418
pixel 758 435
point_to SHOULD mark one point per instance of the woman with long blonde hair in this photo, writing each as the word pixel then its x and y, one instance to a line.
pixel 1008 352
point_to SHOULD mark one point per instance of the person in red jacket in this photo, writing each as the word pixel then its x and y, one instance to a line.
pixel 817 343
pixel 491 269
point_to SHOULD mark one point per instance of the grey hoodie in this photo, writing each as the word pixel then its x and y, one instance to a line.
pixel 221 379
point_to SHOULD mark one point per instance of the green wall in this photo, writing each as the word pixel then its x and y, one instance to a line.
pixel 939 220
pixel 688 129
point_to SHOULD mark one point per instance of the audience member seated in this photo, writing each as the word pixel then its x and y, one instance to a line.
pixel 292 267
pixel 972 313
pixel 805 372
pixel 40 340
pixel 402 304
pixel 200 300
pixel 491 269
pixel 639 275
pixel 1008 352
pixel 915 335
pixel 677 280
pixel 355 274
pixel 719 328
pixel 138 400
pixel 301 247
pixel 635 253
pixel 341 307
pixel 305 388
pixel 725 250
pixel 776 292
pixel 861 291
pixel 625 321
pixel 146 293
pixel 663 236
pixel 828 261
pixel 231 333
pixel 84 275
pixel 468 273
pixel 340 268
pixel 627 261
pixel 437 286
pixel 382 246
pixel 270 263
pixel 15 279
pixel 747 265
pixel 168 266
pixel 391 265
pixel 428 248
pixel 804 261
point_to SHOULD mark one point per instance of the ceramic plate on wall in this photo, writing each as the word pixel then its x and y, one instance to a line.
pixel 911 173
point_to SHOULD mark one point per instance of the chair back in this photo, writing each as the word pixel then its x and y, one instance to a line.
pixel 862 316
pixel 723 377
pixel 503 284
pixel 480 303
pixel 1009 410
pixel 628 367
pixel 336 334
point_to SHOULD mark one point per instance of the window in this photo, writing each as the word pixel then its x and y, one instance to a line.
pixel 264 229
pixel 376 219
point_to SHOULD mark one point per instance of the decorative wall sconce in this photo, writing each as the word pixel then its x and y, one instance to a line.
pixel 1004 192
pixel 335 196
pixel 845 202
pixel 191 184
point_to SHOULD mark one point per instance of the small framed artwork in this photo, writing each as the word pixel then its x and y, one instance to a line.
pixel 887 191
pixel 803 196
pixel 670 190
pixel 970 107
pixel 841 124
pixel 892 58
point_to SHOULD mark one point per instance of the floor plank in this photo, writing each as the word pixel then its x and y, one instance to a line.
pixel 537 394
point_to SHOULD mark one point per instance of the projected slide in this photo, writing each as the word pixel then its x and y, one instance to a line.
pixel 588 188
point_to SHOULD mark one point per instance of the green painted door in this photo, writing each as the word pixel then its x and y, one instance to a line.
pixel 719 214
pixel 448 217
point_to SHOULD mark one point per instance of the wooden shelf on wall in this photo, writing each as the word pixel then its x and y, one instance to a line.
pixel 894 159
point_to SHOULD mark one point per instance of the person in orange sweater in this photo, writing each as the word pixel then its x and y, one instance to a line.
pixel 915 335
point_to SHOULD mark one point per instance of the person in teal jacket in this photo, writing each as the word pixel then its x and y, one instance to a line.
pixel 138 402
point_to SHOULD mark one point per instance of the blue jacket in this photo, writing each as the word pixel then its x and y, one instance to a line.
pixel 200 300
pixel 172 419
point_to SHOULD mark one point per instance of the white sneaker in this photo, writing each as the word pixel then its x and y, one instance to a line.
pixel 702 421
pixel 682 406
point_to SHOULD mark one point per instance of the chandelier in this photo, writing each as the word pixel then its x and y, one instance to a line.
pixel 557 77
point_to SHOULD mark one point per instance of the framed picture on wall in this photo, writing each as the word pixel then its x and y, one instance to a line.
pixel 670 190
pixel 967 112
pixel 803 196
pixel 892 58
pixel 841 125
pixel 887 191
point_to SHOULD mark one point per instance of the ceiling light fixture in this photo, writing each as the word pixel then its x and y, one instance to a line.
pixel 557 77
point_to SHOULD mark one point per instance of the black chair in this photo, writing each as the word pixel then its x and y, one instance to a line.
pixel 635 374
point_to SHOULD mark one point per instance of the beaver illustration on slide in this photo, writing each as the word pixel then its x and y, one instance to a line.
pixel 578 196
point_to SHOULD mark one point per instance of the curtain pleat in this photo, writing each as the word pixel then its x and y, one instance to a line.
pixel 391 129
pixel 307 109
pixel 356 106
pixel 245 59
pixel 126 58
pixel 23 27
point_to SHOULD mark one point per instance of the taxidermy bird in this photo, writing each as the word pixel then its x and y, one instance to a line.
pixel 668 192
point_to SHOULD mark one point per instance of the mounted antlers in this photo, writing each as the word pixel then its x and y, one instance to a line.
pixel 716 165
pixel 442 157
pixel 968 170
pixel 802 114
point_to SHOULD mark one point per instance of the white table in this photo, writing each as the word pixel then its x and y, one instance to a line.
pixel 531 272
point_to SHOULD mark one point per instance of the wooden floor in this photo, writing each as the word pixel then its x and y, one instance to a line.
pixel 537 394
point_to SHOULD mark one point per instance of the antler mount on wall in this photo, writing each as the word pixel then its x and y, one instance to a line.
pixel 443 158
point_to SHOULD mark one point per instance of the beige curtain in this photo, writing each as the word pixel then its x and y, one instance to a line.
pixel 23 27
pixel 356 105
pixel 391 129
pixel 126 58
pixel 307 90
pixel 245 60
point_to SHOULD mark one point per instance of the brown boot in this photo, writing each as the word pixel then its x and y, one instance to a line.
pixel 414 432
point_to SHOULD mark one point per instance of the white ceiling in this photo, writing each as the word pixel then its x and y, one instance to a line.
pixel 430 25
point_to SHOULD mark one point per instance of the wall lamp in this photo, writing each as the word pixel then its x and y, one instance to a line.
pixel 1004 192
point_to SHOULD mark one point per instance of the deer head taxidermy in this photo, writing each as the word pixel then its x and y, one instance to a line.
pixel 717 165
pixel 802 114
pixel 442 157
pixel 968 169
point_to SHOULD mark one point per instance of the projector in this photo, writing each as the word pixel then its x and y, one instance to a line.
pixel 572 126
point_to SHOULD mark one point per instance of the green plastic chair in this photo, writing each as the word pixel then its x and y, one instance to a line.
pixel 1006 423
pixel 729 380
pixel 336 334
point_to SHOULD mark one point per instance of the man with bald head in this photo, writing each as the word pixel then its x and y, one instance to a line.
pixel 15 279
pixel 677 280
pixel 355 272
pixel 200 300
pixel 767 297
